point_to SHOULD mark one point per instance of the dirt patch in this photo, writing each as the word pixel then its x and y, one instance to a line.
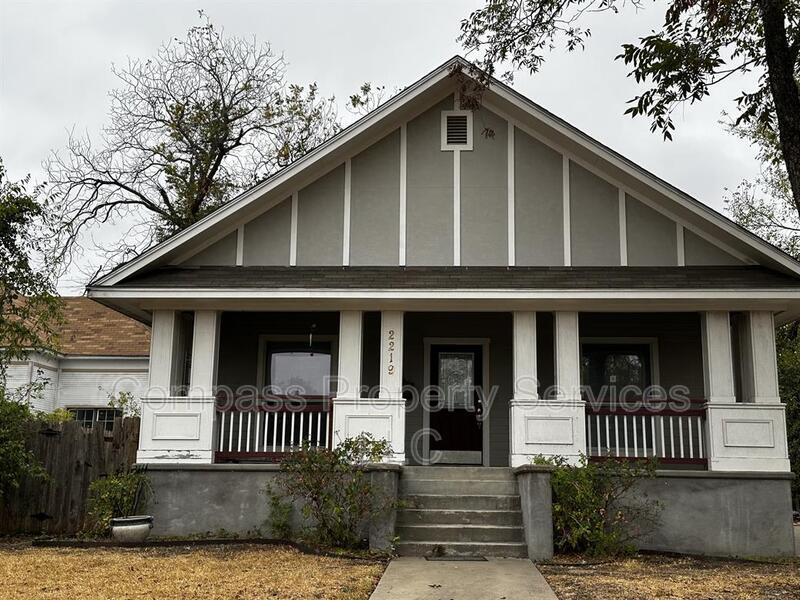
pixel 207 572
pixel 672 577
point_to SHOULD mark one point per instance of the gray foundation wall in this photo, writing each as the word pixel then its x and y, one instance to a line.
pixel 196 500
pixel 722 514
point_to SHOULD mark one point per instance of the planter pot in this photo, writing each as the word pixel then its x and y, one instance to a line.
pixel 131 529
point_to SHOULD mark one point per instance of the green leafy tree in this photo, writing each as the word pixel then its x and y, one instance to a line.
pixel 30 311
pixel 701 43
pixel 205 118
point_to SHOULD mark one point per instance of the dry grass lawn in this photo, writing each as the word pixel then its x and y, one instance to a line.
pixel 673 577
pixel 238 572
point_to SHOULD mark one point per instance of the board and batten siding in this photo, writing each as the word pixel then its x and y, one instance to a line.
pixel 508 201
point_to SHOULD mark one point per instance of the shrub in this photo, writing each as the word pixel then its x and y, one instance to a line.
pixel 279 520
pixel 119 495
pixel 336 493
pixel 593 509
pixel 16 459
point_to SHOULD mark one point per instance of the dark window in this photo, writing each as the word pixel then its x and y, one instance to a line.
pixel 615 365
pixel 103 417
pixel 299 368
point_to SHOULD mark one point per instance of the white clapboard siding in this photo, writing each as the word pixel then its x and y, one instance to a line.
pixel 92 388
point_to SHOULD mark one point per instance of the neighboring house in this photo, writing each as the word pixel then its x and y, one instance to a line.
pixel 101 352
pixel 504 258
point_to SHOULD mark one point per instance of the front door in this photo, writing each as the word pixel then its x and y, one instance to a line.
pixel 456 373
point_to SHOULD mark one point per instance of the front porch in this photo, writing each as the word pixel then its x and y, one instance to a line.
pixel 696 390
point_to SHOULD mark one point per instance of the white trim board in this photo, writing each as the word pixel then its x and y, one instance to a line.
pixel 768 253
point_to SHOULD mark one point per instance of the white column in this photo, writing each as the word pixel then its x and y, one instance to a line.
pixel 180 429
pixel 547 426
pixel 749 435
pixel 568 361
pixel 717 357
pixel 349 372
pixel 391 404
pixel 163 353
pixel 382 417
pixel 759 359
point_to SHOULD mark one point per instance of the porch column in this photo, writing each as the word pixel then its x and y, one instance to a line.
pixel 749 434
pixel 390 405
pixel 553 425
pixel 352 414
pixel 180 429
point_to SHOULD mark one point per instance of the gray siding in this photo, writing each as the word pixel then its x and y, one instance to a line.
pixel 538 203
pixel 652 237
pixel 375 203
pixel 700 252
pixel 221 253
pixel 320 220
pixel 594 219
pixel 429 192
pixel 267 237
pixel 484 193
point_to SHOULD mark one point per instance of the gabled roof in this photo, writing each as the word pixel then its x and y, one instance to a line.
pixel 621 171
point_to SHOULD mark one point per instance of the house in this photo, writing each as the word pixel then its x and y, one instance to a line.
pixel 478 287
pixel 101 352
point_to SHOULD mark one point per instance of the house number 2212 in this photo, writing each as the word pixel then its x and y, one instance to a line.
pixel 390 348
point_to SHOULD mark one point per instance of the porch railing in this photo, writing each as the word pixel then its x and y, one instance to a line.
pixel 267 432
pixel 671 436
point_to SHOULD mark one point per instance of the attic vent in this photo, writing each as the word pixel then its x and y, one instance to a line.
pixel 456 130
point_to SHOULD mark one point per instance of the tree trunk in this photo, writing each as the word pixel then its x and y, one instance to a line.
pixel 783 85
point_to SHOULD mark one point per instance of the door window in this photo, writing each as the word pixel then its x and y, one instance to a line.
pixel 457 379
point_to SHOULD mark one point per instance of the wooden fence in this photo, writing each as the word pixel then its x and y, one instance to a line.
pixel 73 458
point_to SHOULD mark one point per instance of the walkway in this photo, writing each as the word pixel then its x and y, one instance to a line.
pixel 413 578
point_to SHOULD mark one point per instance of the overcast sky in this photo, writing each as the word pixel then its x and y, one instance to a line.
pixel 55 60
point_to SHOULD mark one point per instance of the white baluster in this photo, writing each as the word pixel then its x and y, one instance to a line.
pixel 625 428
pixel 283 432
pixel 635 437
pixel 302 436
pixel 616 433
pixel 691 437
pixel 249 419
pixel 608 435
pixel 222 432
pixel 672 437
pixel 663 439
pixel 319 427
pixel 291 434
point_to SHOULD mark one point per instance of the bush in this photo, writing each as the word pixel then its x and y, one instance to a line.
pixel 336 493
pixel 593 511
pixel 119 495
pixel 279 521
pixel 16 460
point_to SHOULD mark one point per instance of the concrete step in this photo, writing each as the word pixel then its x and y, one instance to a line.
pixel 461 502
pixel 428 548
pixel 457 487
pixel 443 516
pixel 460 533
pixel 482 473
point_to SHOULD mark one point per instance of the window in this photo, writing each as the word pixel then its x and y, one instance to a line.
pixel 617 365
pixel 456 130
pixel 299 369
pixel 103 417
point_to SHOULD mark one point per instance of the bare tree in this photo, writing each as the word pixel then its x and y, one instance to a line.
pixel 205 118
